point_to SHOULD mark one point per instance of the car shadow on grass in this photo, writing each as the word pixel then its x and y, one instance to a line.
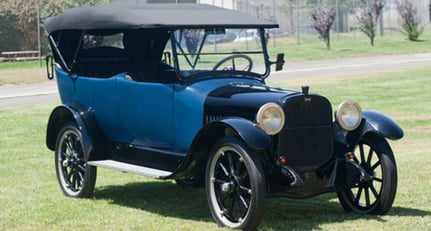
pixel 168 199
pixel 162 197
pixel 310 214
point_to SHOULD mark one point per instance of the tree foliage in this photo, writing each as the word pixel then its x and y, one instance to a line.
pixel 25 19
pixel 368 16
pixel 409 20
pixel 24 13
pixel 10 37
pixel 321 21
pixel 343 8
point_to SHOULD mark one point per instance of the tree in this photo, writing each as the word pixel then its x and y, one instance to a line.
pixel 410 22
pixel 368 16
pixel 343 8
pixel 321 21
pixel 10 37
pixel 25 14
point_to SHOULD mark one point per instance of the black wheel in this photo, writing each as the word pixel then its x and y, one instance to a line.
pixel 76 178
pixel 233 65
pixel 374 196
pixel 235 185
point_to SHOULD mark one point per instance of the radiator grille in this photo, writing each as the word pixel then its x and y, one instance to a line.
pixel 307 139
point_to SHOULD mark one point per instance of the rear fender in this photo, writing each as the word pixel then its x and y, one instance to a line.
pixel 195 162
pixel 63 114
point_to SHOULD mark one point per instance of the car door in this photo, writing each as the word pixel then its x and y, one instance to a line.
pixel 96 95
pixel 146 113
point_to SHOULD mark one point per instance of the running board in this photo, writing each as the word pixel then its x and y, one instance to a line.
pixel 136 169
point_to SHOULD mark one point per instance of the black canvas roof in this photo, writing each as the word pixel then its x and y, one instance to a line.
pixel 121 16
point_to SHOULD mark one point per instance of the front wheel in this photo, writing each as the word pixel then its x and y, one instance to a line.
pixel 376 195
pixel 235 185
pixel 76 178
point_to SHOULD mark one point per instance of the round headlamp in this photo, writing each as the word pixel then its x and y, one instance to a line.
pixel 349 115
pixel 270 118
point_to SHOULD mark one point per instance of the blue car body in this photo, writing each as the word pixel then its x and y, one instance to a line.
pixel 148 90
pixel 174 123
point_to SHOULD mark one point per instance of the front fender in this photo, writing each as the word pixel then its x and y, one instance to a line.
pixel 195 162
pixel 91 135
pixel 382 125
pixel 373 122
pixel 247 130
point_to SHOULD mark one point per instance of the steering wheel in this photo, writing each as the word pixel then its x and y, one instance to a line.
pixel 232 58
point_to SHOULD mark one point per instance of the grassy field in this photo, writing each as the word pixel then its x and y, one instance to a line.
pixel 22 72
pixel 31 199
pixel 346 45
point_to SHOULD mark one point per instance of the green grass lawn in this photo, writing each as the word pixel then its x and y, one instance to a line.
pixel 347 45
pixel 31 199
pixel 22 72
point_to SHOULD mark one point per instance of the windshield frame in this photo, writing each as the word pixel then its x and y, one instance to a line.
pixel 178 50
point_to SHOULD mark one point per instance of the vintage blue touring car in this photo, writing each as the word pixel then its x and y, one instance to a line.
pixel 178 92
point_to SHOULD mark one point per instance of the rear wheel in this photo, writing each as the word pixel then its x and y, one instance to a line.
pixel 374 196
pixel 76 178
pixel 235 185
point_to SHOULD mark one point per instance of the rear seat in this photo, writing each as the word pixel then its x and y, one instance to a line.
pixel 101 62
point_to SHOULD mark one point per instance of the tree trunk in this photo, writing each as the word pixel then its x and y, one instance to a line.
pixel 328 43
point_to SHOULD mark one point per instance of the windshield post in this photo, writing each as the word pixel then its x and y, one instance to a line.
pixel 178 45
pixel 264 43
pixel 175 54
pixel 78 47
pixel 200 50
pixel 55 46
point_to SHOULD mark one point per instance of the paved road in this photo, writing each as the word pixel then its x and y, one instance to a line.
pixel 29 94
pixel 46 93
pixel 350 66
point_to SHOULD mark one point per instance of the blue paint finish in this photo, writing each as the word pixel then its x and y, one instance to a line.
pixel 189 107
pixel 65 86
pixel 146 113
pixel 167 116
pixel 95 94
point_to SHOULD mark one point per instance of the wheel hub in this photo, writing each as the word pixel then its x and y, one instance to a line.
pixel 65 163
pixel 228 187
pixel 71 161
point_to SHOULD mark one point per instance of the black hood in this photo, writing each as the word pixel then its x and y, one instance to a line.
pixel 241 100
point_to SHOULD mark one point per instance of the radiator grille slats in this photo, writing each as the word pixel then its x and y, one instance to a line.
pixel 307 139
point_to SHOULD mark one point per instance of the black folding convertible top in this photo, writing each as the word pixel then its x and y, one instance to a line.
pixel 121 16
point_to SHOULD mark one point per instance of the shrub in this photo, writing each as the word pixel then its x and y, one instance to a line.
pixel 410 22
pixel 321 21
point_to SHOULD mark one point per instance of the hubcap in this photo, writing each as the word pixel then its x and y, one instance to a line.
pixel 227 187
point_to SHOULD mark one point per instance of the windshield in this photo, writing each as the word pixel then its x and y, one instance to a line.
pixel 203 52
